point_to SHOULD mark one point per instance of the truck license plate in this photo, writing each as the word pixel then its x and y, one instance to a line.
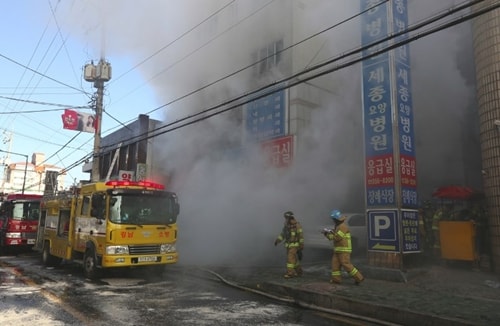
pixel 146 259
pixel 31 241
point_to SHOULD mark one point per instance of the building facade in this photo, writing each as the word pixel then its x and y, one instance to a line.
pixel 315 127
pixel 30 178
pixel 486 29
pixel 127 154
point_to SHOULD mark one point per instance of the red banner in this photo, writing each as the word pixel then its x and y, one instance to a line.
pixel 279 151
pixel 74 120
pixel 380 171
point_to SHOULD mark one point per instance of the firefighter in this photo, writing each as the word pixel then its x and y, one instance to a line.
pixel 341 237
pixel 294 243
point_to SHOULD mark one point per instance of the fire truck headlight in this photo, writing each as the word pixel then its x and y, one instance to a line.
pixel 117 250
pixel 13 234
pixel 167 247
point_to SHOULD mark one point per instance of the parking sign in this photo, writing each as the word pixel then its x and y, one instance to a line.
pixel 383 230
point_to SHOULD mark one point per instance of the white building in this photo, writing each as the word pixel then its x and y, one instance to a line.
pixel 30 178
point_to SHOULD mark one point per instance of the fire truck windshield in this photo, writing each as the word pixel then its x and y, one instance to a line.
pixel 143 210
pixel 25 210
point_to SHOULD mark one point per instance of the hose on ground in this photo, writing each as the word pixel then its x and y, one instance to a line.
pixel 301 303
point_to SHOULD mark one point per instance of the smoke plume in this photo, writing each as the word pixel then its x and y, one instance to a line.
pixel 232 202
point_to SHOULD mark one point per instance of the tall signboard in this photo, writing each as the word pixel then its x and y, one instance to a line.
pixel 390 163
pixel 265 117
pixel 266 124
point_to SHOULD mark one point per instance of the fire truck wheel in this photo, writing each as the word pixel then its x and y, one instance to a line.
pixel 47 258
pixel 90 264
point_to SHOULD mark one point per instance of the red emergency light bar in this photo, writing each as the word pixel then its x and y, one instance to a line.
pixel 126 183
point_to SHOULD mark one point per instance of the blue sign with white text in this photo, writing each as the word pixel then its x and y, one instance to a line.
pixel 410 231
pixel 383 230
pixel 265 117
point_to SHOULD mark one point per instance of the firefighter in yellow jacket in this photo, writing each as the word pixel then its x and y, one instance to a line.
pixel 341 237
pixel 294 244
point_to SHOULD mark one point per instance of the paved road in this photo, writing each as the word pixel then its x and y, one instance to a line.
pixel 186 296
pixel 23 302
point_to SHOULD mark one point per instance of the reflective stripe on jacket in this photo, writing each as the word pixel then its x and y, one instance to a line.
pixel 292 234
pixel 341 237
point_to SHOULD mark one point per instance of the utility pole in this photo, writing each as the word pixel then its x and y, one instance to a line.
pixel 98 74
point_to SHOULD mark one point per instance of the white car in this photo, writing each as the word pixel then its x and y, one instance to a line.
pixel 357 226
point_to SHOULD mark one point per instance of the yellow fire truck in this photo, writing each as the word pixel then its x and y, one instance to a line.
pixel 109 224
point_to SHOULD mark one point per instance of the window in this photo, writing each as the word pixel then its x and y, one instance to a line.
pixel 268 57
pixel 98 206
pixel 26 211
pixel 85 205
pixel 63 227
pixel 141 209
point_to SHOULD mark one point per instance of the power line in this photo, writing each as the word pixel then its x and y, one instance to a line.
pixel 197 49
pixel 67 143
pixel 31 58
pixel 280 84
pixel 174 41
pixel 254 63
pixel 212 15
pixel 36 72
pixel 160 50
pixel 267 57
pixel 53 12
pixel 41 103
pixel 43 75
pixel 238 100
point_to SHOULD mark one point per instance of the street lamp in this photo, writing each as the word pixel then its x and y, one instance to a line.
pixel 25 166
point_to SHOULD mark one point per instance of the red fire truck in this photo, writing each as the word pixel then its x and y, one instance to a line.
pixel 19 221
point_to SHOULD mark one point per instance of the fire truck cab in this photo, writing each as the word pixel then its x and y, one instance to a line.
pixel 112 224
pixel 18 221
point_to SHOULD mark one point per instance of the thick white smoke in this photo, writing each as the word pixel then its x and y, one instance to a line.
pixel 231 203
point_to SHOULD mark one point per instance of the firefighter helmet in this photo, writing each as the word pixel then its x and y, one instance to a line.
pixel 336 215
pixel 288 214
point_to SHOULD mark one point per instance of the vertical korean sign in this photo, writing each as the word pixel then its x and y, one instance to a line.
pixel 390 160
pixel 265 116
pixel 404 106
pixel 379 148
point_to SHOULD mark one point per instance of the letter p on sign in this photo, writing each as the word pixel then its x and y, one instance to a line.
pixel 381 222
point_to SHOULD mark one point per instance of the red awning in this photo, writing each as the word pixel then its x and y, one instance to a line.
pixel 454 192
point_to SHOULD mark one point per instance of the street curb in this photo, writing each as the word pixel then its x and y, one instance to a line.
pixel 391 275
pixel 368 309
